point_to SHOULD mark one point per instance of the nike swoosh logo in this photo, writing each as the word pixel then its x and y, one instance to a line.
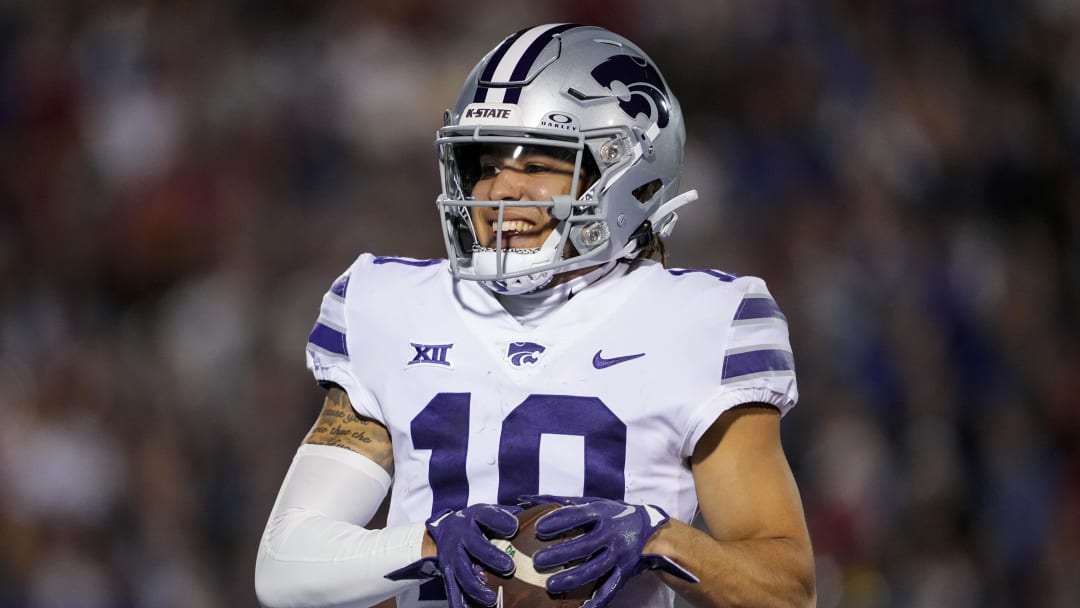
pixel 599 362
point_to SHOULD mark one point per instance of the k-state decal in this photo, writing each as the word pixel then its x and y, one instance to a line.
pixel 503 113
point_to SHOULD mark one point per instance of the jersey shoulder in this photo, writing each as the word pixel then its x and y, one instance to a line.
pixel 719 292
pixel 373 280
pixel 370 285
pixel 393 272
pixel 735 319
pixel 373 284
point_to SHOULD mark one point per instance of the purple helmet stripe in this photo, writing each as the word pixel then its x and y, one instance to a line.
pixel 758 308
pixel 528 58
pixel 757 361
pixel 328 339
pixel 489 69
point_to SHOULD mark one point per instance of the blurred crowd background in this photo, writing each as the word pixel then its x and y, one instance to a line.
pixel 180 181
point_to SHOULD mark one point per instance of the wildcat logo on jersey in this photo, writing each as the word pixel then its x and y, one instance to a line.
pixel 431 354
pixel 523 354
pixel 648 95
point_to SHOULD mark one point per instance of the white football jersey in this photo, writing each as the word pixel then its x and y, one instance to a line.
pixel 607 396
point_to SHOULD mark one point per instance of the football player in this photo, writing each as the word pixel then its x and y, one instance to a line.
pixel 547 359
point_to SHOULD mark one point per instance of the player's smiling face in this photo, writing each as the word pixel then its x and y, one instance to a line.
pixel 519 173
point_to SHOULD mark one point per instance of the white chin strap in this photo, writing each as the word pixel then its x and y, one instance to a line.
pixel 485 262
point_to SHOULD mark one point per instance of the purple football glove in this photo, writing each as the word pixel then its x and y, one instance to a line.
pixel 614 535
pixel 463 547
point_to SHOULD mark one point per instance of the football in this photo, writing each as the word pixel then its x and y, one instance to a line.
pixel 525 589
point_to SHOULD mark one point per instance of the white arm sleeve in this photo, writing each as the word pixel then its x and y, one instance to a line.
pixel 315 550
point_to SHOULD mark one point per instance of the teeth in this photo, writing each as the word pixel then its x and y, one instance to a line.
pixel 512 226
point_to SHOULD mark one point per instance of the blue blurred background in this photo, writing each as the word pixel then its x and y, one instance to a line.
pixel 180 181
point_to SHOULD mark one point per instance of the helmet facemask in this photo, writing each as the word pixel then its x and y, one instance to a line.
pixel 577 93
pixel 574 242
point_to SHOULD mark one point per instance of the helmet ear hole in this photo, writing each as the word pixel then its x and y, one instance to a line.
pixel 645 192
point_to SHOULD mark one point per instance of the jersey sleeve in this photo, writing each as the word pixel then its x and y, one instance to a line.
pixel 328 355
pixel 757 364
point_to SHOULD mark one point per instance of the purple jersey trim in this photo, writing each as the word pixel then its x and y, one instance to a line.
pixel 328 339
pixel 758 308
pixel 757 361
pixel 405 261
pixel 723 276
pixel 340 287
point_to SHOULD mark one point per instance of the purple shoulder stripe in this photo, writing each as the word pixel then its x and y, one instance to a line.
pixel 758 308
pixel 328 339
pixel 340 286
pixel 757 361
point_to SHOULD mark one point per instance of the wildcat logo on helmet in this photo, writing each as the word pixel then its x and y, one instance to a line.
pixel 648 95
pixel 476 113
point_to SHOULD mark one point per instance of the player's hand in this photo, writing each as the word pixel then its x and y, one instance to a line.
pixel 611 546
pixel 463 547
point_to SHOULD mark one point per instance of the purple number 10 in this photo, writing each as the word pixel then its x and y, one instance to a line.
pixel 443 427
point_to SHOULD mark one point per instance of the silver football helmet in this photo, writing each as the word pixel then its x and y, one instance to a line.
pixel 579 93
